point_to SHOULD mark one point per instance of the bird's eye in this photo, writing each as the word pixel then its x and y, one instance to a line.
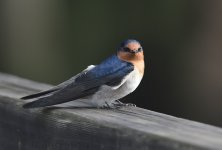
pixel 126 49
pixel 140 49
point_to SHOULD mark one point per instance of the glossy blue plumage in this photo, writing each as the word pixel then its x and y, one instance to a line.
pixel 109 67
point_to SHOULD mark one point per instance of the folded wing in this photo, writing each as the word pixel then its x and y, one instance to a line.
pixel 87 83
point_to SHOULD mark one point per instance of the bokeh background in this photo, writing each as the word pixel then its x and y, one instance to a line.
pixel 51 40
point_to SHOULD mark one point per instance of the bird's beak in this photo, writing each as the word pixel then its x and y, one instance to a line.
pixel 134 51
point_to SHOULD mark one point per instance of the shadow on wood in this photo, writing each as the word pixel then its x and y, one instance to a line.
pixel 127 128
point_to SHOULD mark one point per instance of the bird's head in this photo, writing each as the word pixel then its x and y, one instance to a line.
pixel 130 50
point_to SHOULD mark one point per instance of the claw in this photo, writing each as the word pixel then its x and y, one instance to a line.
pixel 130 104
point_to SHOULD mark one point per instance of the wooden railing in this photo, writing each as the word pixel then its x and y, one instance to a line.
pixel 128 128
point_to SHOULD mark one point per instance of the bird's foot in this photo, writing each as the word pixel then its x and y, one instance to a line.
pixel 125 104
pixel 117 104
pixel 130 104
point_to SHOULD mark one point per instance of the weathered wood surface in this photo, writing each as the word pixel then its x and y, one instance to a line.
pixel 127 128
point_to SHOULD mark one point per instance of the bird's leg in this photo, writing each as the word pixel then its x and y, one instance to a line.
pixel 106 105
pixel 111 105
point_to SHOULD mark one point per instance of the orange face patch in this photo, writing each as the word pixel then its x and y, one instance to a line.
pixel 136 59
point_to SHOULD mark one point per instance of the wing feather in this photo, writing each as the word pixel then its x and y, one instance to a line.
pixel 87 83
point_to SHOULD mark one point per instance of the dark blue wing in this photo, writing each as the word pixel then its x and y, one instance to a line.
pixel 109 72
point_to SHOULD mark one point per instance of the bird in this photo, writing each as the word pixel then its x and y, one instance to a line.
pixel 101 85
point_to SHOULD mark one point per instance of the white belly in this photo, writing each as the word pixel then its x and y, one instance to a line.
pixel 109 94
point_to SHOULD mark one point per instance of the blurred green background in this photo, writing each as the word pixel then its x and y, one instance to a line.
pixel 52 40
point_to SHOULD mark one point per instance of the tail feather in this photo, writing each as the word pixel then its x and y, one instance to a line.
pixel 34 104
pixel 43 102
pixel 36 95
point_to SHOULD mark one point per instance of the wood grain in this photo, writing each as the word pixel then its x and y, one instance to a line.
pixel 127 128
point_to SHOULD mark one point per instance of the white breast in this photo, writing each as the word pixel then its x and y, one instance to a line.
pixel 109 94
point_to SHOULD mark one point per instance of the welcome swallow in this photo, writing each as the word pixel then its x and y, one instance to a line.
pixel 100 85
